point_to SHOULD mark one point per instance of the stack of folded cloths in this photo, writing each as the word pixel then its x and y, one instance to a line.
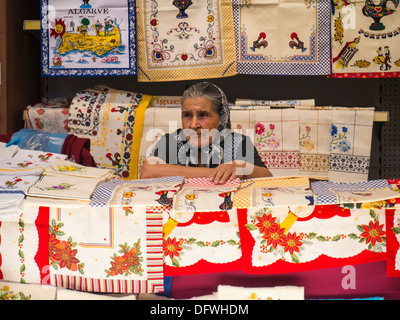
pixel 67 180
pixel 12 195
pixel 19 170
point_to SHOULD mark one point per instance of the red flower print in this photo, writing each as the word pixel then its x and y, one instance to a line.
pixel 66 257
pixel 259 128
pixel 266 222
pixel 118 266
pixel 171 247
pixel 274 235
pixel 291 242
pixel 373 232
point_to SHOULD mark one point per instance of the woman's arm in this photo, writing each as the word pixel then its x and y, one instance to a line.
pixel 158 169
pixel 238 169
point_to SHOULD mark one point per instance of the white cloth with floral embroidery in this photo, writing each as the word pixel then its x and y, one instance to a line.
pixel 12 195
pixel 226 292
pixel 7 152
pixel 314 139
pixel 68 168
pixel 350 144
pixel 23 291
pixel 277 141
pixel 68 180
pixel 28 162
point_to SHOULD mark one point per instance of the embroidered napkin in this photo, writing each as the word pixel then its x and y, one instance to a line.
pixel 23 291
pixel 350 146
pixel 71 169
pixel 283 38
pixel 28 162
pixel 315 139
pixel 277 141
pixel 7 152
pixel 183 40
pixel 365 39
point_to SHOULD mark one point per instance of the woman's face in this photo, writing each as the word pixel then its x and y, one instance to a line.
pixel 198 121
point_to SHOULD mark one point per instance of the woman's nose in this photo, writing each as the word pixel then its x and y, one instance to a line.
pixel 195 123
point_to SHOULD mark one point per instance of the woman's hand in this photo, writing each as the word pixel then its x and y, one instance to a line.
pixel 228 171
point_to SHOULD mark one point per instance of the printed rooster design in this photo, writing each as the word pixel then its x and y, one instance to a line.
pixel 296 43
pixel 261 42
pixel 115 159
pixel 378 11
pixel 228 203
pixel 267 198
pixel 164 200
pixel 190 200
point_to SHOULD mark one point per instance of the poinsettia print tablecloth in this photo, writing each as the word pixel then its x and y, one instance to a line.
pixel 113 121
pixel 283 37
pixel 202 242
pixel 104 250
pixel 282 239
pixel 88 38
pixel 276 140
pixel 365 39
pixel 183 40
pixel 393 242
pixel 350 146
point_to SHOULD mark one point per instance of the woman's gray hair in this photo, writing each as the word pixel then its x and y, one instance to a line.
pixel 217 97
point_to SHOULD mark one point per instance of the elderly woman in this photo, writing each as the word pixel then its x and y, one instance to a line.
pixel 205 147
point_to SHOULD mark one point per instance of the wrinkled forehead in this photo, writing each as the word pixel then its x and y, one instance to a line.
pixel 197 104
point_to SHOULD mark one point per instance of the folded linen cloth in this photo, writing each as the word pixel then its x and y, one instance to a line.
pixel 67 180
pixel 265 293
pixel 22 291
pixel 7 152
pixel 71 169
pixel 28 162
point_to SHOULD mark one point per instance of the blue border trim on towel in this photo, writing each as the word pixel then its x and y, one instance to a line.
pixel 78 72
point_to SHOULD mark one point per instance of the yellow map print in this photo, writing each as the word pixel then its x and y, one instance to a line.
pixel 99 44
